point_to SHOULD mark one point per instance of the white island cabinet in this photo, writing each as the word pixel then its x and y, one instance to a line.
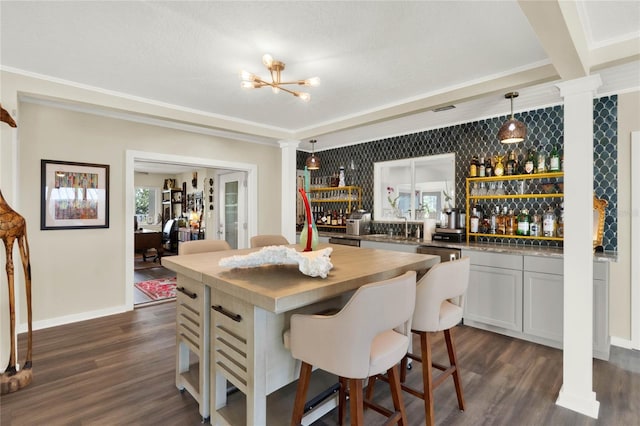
pixel 522 296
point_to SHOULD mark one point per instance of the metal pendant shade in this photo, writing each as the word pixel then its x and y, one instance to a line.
pixel 512 131
pixel 313 162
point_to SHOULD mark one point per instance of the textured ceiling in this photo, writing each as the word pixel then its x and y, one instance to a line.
pixel 377 60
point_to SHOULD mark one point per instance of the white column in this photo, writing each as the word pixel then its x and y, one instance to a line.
pixel 577 370
pixel 288 206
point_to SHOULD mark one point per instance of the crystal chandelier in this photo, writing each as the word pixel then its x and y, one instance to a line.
pixel 252 81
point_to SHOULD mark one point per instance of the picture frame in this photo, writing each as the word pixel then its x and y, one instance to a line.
pixel 73 195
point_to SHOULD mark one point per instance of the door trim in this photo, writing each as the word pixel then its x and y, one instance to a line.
pixel 131 156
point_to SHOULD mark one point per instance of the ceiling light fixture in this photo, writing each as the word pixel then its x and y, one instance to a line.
pixel 512 131
pixel 313 162
pixel 252 81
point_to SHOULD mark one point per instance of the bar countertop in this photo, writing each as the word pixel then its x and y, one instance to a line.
pixel 521 249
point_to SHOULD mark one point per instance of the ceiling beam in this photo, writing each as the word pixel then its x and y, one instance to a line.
pixel 558 27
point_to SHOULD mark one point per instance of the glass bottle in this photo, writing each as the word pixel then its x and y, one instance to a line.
pixel 493 223
pixel 473 167
pixel 488 167
pixel 502 222
pixel 529 163
pixel 474 221
pixel 523 223
pixel 554 160
pixel 560 224
pixel 510 224
pixel 535 228
pixel 541 163
pixel 481 167
pixel 511 164
pixel 549 223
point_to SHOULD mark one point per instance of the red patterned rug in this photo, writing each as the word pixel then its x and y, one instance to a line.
pixel 164 288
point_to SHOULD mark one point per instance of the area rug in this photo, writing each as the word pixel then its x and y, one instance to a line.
pixel 163 288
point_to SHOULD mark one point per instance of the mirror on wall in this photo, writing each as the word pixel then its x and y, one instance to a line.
pixel 413 188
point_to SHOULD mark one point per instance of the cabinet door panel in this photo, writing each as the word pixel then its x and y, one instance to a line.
pixel 494 297
pixel 543 296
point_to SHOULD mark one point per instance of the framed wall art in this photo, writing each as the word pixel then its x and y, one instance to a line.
pixel 74 195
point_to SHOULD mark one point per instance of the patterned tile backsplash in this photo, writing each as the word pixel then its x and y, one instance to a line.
pixel 544 131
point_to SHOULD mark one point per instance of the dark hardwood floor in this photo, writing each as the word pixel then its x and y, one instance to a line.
pixel 119 370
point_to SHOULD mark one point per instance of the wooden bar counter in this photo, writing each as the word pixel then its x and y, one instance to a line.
pixel 250 310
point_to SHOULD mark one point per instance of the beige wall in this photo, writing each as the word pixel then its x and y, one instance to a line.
pixel 79 274
pixel 620 276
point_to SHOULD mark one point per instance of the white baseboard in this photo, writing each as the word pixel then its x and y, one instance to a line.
pixel 622 343
pixel 68 319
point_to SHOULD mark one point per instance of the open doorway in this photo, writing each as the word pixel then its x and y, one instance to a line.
pixel 249 225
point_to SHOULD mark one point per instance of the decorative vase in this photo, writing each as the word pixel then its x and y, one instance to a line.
pixel 309 233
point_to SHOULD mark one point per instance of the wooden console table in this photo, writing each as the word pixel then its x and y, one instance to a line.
pixel 146 239
pixel 249 309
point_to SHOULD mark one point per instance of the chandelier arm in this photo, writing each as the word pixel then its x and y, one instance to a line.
pixel 294 93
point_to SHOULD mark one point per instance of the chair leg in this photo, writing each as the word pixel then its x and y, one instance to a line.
pixel 396 394
pixel 403 368
pixel 370 385
pixel 301 394
pixel 427 378
pixel 357 403
pixel 453 359
pixel 342 400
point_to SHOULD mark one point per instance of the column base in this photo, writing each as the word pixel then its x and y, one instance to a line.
pixel 583 404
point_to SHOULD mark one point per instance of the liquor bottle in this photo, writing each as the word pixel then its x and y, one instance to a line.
pixel 493 223
pixel 511 164
pixel 554 160
pixel 340 217
pixel 328 221
pixel 474 221
pixel 549 223
pixel 334 218
pixel 502 222
pixel 523 223
pixel 535 228
pixel 541 162
pixel 473 167
pixel 488 167
pixel 481 167
pixel 529 164
pixel 560 224
pixel 510 224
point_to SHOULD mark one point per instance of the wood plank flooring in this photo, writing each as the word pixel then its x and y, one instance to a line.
pixel 119 370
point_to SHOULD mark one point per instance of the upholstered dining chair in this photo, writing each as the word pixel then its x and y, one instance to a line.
pixel 202 246
pixel 368 336
pixel 268 240
pixel 439 306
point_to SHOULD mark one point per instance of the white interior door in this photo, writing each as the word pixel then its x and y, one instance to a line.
pixel 232 221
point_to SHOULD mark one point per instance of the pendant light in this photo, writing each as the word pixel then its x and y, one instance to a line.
pixel 512 131
pixel 313 162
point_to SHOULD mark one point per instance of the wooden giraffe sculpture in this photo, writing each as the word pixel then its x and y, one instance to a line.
pixel 13 227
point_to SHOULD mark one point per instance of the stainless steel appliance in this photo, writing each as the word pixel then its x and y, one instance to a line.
pixel 359 223
pixel 447 234
pixel 446 254
pixel 345 241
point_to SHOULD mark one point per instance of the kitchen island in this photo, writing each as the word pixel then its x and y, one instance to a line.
pixel 233 320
